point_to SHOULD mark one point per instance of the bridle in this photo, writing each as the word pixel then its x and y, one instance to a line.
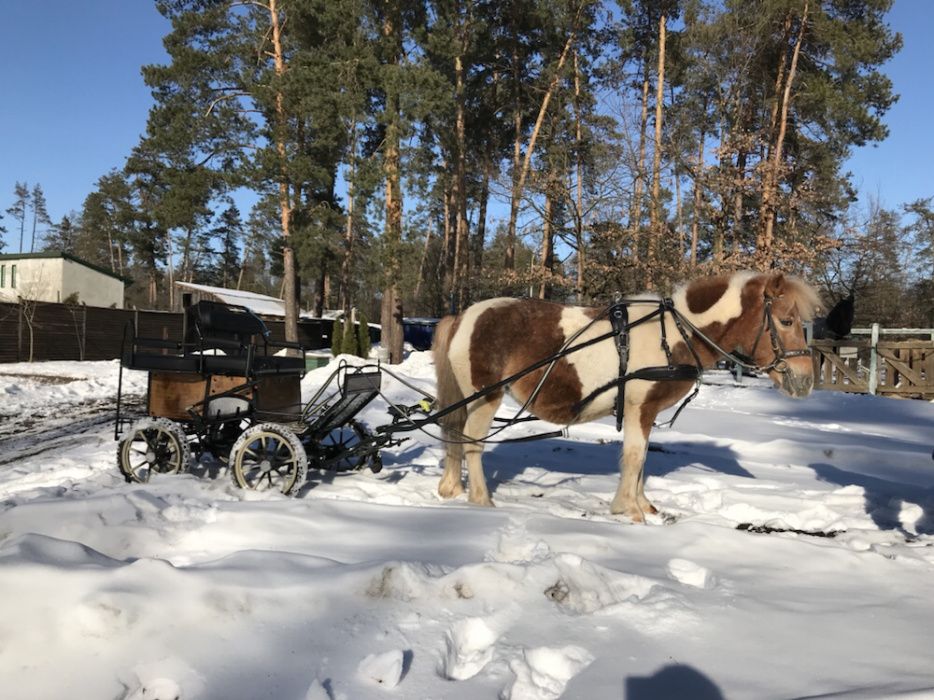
pixel 781 356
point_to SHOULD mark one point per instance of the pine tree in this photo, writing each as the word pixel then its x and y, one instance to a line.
pixel 228 230
pixel 40 213
pixel 19 208
pixel 63 236
pixel 108 223
pixel 237 79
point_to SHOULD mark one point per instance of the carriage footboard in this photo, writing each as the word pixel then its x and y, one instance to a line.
pixel 357 390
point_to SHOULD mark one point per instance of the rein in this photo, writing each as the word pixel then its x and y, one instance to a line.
pixel 618 314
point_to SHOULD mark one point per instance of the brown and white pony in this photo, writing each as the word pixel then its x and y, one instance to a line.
pixel 494 339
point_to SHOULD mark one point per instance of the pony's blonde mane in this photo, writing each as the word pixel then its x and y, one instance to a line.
pixel 805 297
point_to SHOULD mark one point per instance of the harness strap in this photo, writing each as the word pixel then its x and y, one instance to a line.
pixel 671 373
pixel 619 320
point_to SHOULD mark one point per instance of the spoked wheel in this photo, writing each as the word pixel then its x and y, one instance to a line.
pixel 346 448
pixel 153 445
pixel 268 457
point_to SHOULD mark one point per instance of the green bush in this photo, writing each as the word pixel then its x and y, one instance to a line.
pixel 337 337
pixel 349 342
pixel 363 335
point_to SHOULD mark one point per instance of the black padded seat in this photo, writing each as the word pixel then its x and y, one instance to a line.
pixel 229 365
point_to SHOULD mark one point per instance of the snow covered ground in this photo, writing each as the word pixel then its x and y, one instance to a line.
pixel 794 558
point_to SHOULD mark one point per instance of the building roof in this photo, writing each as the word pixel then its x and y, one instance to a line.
pixel 67 256
pixel 261 304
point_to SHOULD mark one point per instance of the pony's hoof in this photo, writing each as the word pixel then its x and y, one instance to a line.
pixel 648 508
pixel 633 513
pixel 450 490
pixel 485 501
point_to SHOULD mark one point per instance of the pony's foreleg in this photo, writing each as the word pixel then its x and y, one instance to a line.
pixel 477 427
pixel 630 498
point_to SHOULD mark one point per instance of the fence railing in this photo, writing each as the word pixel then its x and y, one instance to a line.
pixel 876 365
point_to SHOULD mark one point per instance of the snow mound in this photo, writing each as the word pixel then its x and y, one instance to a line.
pixel 383 669
pixel 543 672
pixel 468 648
pixel 690 574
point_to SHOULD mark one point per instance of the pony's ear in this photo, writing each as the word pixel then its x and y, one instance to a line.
pixel 775 285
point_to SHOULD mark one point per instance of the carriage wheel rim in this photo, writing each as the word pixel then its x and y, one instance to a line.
pixel 268 462
pixel 156 449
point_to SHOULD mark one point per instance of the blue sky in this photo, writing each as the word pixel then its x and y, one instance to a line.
pixel 74 104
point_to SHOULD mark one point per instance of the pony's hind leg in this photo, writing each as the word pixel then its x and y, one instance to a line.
pixel 477 427
pixel 451 484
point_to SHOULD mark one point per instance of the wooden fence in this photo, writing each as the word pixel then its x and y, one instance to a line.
pixel 875 366
pixel 47 331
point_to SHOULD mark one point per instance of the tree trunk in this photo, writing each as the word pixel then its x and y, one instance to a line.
pixel 579 195
pixel 421 267
pixel 447 245
pixel 509 262
pixel 289 291
pixel 738 191
pixel 679 214
pixel 519 183
pixel 635 212
pixel 391 307
pixel 548 234
pixel 655 232
pixel 770 181
pixel 461 242
pixel 479 240
pixel 345 300
pixel 698 200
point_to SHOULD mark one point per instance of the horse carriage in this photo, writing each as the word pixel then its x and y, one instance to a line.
pixel 226 389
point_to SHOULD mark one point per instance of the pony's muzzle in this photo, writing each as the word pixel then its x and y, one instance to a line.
pixel 797 385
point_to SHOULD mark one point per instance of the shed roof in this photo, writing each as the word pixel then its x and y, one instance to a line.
pixel 257 303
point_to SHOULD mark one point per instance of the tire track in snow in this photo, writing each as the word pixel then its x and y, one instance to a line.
pixel 48 429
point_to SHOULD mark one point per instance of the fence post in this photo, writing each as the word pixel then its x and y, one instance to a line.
pixel 874 359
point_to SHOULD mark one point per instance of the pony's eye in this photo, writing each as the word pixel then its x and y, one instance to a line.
pixel 787 322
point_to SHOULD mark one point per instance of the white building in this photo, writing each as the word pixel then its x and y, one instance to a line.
pixel 55 277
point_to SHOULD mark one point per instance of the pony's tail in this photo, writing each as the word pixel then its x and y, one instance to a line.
pixel 449 391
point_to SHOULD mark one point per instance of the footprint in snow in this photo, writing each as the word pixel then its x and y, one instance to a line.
pixel 516 546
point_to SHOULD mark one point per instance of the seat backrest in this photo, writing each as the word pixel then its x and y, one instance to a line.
pixel 214 321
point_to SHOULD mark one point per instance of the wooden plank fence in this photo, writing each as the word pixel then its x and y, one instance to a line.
pixel 51 331
pixel 873 365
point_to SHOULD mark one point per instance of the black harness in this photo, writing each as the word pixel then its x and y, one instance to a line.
pixel 619 320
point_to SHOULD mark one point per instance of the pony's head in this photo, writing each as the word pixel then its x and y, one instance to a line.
pixel 775 305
